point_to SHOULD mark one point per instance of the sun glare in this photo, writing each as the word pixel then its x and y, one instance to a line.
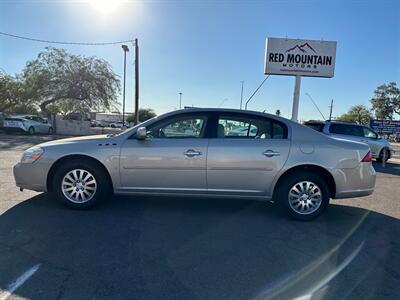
pixel 105 6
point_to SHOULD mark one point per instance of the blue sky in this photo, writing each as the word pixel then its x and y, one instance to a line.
pixel 205 48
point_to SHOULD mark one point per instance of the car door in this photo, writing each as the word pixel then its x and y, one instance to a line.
pixel 172 158
pixel 246 154
pixel 371 138
pixel 40 125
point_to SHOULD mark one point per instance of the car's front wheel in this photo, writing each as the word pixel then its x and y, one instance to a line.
pixel 304 196
pixel 81 184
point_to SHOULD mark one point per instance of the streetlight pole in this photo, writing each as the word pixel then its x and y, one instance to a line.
pixel 180 100
pixel 241 95
pixel 126 49
pixel 136 119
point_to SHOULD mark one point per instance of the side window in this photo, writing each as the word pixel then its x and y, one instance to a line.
pixel 337 128
pixel 250 128
pixel 356 131
pixel 345 129
pixel 368 133
pixel 278 131
pixel 180 127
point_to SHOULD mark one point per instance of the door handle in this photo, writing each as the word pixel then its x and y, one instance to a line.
pixel 270 153
pixel 191 153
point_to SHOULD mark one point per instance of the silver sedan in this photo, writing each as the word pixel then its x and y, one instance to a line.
pixel 204 152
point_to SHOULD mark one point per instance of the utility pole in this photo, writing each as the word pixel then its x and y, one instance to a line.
pixel 126 49
pixel 180 100
pixel 136 119
pixel 241 95
pixel 330 111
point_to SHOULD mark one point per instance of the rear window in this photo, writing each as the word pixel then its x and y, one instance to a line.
pixel 316 126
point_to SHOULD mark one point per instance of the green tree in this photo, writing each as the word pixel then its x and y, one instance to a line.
pixel 13 98
pixel 359 114
pixel 57 78
pixel 144 115
pixel 386 101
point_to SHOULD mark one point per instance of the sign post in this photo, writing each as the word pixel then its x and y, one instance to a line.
pixel 293 57
pixel 296 98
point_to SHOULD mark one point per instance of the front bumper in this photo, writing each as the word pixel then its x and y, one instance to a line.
pixel 356 182
pixel 31 176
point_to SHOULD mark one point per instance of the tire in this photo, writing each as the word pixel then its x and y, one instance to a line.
pixel 380 158
pixel 50 130
pixel 87 194
pixel 31 130
pixel 302 208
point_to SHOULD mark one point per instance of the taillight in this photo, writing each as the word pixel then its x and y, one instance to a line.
pixel 367 157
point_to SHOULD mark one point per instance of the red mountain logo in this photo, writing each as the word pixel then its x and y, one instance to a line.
pixel 301 48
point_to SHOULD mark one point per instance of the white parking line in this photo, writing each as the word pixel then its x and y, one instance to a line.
pixel 18 282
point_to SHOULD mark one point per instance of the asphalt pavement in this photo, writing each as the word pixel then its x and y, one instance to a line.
pixel 189 248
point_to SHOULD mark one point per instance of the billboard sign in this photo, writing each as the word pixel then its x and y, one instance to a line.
pixel 300 57
pixel 386 126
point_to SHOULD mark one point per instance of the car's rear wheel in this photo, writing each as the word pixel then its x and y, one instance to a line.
pixel 304 196
pixel 81 184
pixel 31 130
pixel 384 153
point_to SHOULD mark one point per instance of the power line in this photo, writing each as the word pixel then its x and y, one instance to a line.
pixel 248 100
pixel 64 43
pixel 316 106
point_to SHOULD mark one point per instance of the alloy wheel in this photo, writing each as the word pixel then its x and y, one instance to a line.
pixel 79 186
pixel 305 197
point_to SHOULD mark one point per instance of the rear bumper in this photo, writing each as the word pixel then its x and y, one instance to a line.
pixel 14 129
pixel 356 182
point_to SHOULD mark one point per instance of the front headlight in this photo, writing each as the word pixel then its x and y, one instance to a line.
pixel 31 155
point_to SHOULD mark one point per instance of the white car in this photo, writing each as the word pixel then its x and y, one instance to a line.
pixel 380 147
pixel 27 123
pixel 119 124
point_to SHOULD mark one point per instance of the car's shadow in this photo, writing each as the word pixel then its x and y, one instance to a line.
pixel 181 248
pixel 389 168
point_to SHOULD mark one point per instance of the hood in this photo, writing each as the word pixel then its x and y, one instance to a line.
pixel 73 140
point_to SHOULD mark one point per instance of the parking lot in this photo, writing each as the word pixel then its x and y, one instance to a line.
pixel 181 248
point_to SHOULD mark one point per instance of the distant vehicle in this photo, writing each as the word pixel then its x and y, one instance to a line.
pixel 380 147
pixel 95 123
pixel 27 123
pixel 190 152
pixel 119 124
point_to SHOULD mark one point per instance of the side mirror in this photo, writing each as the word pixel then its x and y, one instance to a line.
pixel 141 133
